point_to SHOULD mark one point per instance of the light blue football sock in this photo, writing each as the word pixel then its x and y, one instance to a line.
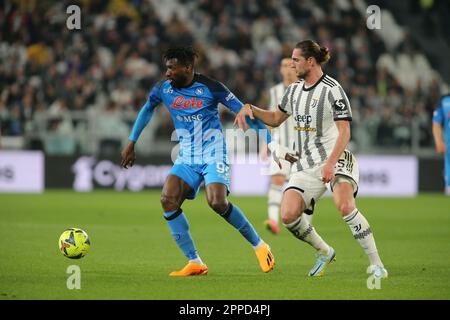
pixel 179 228
pixel 237 219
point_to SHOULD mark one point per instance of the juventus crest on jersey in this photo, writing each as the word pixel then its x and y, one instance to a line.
pixel 313 112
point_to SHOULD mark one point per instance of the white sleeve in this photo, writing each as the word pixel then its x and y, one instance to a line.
pixel 286 103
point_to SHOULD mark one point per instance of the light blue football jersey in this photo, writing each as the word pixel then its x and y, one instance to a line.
pixel 195 114
pixel 442 116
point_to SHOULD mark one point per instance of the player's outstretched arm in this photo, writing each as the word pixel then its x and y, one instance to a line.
pixel 438 140
pixel 438 127
pixel 128 155
pixel 270 118
pixel 143 118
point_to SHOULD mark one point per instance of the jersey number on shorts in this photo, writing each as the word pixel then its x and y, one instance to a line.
pixel 221 168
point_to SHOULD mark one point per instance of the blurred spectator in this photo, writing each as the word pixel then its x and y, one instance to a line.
pixel 110 124
pixel 55 80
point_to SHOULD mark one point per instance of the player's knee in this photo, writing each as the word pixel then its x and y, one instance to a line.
pixel 218 205
pixel 278 180
pixel 169 203
pixel 345 207
pixel 290 212
pixel 288 215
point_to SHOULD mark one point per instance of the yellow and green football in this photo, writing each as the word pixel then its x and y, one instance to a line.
pixel 74 243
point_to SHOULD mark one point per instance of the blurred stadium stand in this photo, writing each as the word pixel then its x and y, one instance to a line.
pixel 78 92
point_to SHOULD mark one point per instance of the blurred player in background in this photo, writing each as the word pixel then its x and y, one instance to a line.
pixel 441 134
pixel 192 99
pixel 282 135
pixel 322 115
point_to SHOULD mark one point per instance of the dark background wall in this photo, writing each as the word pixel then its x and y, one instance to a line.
pixel 59 172
pixel 431 174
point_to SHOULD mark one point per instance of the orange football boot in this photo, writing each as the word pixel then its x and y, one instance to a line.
pixel 191 269
pixel 265 257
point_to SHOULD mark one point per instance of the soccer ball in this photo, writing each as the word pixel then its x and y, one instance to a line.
pixel 74 243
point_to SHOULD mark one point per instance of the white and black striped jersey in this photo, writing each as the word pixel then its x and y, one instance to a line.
pixel 283 134
pixel 314 111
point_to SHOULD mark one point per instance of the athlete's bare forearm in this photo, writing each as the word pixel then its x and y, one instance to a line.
pixel 438 138
pixel 270 118
pixel 341 142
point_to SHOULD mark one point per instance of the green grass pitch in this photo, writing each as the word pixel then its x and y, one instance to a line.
pixel 132 251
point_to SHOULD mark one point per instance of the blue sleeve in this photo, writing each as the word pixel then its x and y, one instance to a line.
pixel 146 113
pixel 438 114
pixel 229 100
pixel 259 125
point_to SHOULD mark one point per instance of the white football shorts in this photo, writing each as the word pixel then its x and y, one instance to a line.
pixel 309 182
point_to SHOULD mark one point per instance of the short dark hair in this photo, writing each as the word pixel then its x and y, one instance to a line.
pixel 311 48
pixel 185 55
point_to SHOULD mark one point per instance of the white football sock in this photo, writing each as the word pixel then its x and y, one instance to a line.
pixel 308 217
pixel 274 198
pixel 361 231
pixel 304 231
pixel 259 243
pixel 197 260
